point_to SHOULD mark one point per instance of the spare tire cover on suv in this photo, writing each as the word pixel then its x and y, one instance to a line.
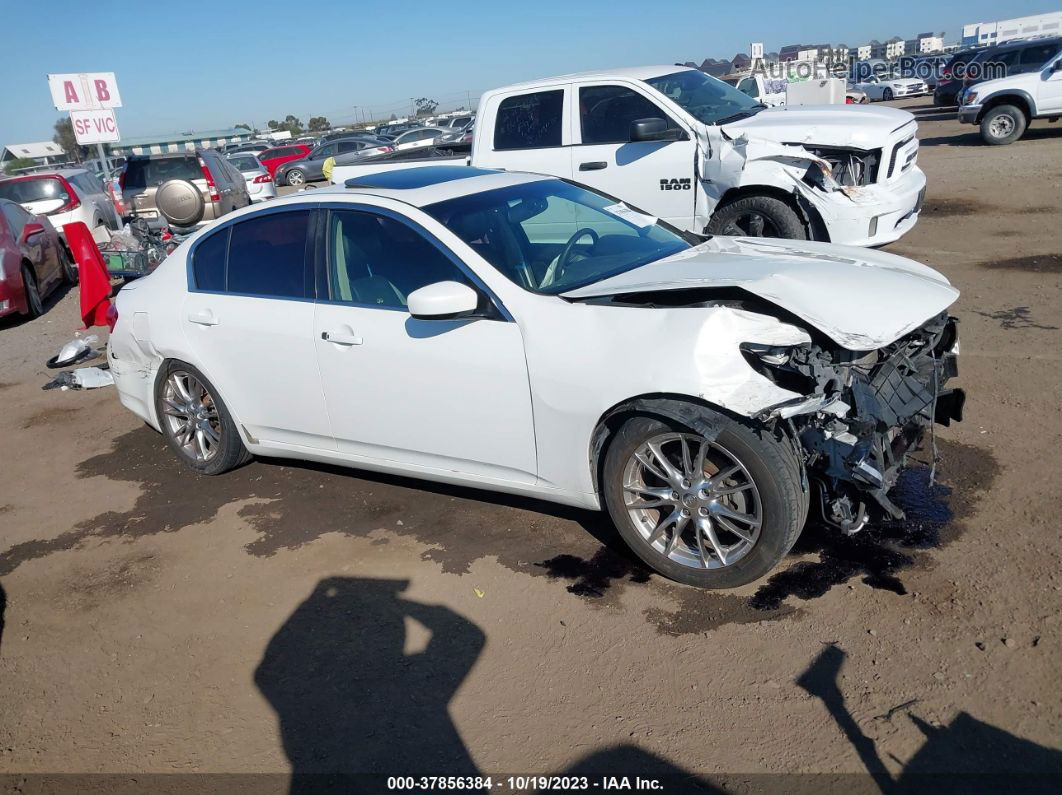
pixel 180 202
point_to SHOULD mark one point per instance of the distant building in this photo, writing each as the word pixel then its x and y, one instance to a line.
pixel 43 153
pixel 895 47
pixel 925 43
pixel 179 142
pixel 860 53
pixel 1008 29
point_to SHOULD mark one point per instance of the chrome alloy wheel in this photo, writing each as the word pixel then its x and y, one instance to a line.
pixel 692 500
pixel 1001 126
pixel 295 177
pixel 191 416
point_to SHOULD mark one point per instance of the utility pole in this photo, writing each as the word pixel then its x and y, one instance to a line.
pixel 412 112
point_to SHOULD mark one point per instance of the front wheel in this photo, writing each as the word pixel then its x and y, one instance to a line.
pixel 1003 124
pixel 757 216
pixel 714 513
pixel 196 423
pixel 886 95
pixel 295 177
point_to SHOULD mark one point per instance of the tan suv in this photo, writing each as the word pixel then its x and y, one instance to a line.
pixel 185 188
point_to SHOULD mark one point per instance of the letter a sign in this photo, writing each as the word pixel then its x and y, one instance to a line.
pixel 85 91
pixel 90 97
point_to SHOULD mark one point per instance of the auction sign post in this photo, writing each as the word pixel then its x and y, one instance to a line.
pixel 90 97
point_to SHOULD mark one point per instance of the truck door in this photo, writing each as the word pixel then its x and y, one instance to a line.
pixel 654 176
pixel 529 133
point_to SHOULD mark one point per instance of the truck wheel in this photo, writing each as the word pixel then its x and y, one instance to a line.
pixel 757 216
pixel 716 514
pixel 1003 124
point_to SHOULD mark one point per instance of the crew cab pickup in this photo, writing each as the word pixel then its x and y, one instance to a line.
pixel 687 148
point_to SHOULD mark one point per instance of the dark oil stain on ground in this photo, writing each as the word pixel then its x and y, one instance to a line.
pixel 88 589
pixel 294 504
pixel 948 208
pixel 1018 317
pixel 50 416
pixel 1036 263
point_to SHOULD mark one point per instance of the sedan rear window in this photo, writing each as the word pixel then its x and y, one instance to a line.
pixel 32 190
pixel 245 163
pixel 145 173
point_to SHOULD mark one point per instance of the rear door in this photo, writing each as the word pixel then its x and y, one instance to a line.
pixel 248 317
pixel 529 133
pixel 656 176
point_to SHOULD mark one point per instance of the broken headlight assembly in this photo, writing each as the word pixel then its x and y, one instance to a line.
pixel 857 414
pixel 848 167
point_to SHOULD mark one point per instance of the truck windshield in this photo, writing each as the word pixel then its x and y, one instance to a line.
pixel 549 236
pixel 706 99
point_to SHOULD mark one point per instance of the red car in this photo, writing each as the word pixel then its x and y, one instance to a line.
pixel 32 261
pixel 278 156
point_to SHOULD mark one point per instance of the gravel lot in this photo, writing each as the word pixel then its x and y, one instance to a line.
pixel 294 617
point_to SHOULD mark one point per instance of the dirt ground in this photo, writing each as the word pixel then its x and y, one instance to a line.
pixel 288 617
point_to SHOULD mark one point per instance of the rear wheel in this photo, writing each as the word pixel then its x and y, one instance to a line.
pixel 196 423
pixel 714 514
pixel 70 271
pixel 757 216
pixel 1003 124
pixel 295 177
pixel 34 304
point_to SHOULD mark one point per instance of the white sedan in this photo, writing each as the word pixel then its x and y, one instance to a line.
pixel 886 88
pixel 521 334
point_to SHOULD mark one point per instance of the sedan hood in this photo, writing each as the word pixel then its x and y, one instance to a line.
pixel 859 298
pixel 859 126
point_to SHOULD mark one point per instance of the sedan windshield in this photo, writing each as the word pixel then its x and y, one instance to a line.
pixel 706 99
pixel 549 236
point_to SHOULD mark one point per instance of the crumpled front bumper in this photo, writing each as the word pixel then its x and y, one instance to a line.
pixel 871 215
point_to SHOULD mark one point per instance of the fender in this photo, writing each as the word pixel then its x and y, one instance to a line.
pixel 989 101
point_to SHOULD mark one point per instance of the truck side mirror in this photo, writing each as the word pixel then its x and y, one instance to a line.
pixel 654 130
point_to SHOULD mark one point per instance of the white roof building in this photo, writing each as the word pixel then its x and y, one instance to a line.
pixel 43 152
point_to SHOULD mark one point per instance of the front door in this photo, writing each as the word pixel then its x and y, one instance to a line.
pixel 249 318
pixel 655 176
pixel 1049 93
pixel 444 395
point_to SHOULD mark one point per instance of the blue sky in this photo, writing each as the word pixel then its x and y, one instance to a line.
pixel 194 65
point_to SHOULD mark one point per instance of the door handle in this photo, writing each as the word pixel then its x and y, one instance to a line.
pixel 203 318
pixel 593 165
pixel 340 339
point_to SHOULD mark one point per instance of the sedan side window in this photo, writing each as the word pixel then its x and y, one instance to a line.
pixel 606 113
pixel 374 260
pixel 267 255
pixel 208 262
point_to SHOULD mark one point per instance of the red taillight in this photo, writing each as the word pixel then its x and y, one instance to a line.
pixel 849 101
pixel 112 315
pixel 214 195
pixel 72 203
pixel 264 179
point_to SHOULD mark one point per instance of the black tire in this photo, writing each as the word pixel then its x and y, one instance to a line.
pixel 1002 125
pixel 231 452
pixel 34 303
pixel 773 468
pixel 71 275
pixel 886 95
pixel 777 219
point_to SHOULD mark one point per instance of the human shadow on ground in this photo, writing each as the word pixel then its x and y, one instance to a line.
pixel 965 756
pixel 354 699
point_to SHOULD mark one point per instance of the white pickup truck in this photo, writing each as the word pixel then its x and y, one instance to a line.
pixel 690 149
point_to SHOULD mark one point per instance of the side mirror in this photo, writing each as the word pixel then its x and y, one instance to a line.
pixel 29 230
pixel 442 301
pixel 1057 66
pixel 654 130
